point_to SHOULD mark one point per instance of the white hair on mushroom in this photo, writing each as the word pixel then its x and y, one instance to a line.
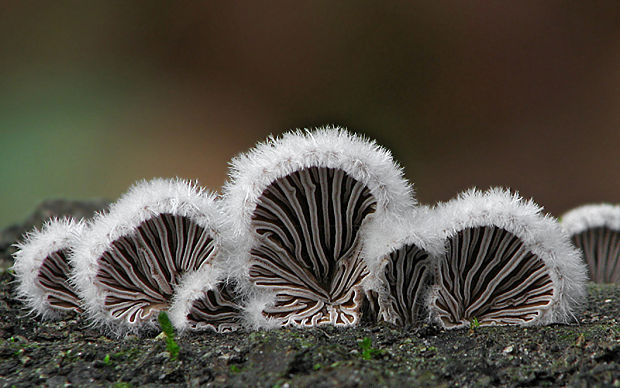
pixel 301 206
pixel 402 256
pixel 130 260
pixel 595 229
pixel 206 301
pixel 42 269
pixel 505 263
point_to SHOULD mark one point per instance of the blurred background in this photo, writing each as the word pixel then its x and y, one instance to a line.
pixel 95 95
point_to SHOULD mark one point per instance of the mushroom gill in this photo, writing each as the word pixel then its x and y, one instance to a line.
pixel 595 230
pixel 308 227
pixel 42 268
pixel 505 263
pixel 54 278
pixel 139 272
pixel 402 254
pixel 132 258
pixel 601 250
pixel 408 276
pixel 301 207
pixel 488 274
pixel 217 309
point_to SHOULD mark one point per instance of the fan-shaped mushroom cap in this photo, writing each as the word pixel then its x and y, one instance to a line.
pixel 304 190
pixel 130 259
pixel 206 300
pixel 402 256
pixel 42 269
pixel 506 263
pixel 595 229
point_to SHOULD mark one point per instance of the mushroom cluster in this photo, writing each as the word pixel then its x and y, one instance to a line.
pixel 313 228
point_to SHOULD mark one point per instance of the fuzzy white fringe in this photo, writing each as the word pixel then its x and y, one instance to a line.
pixel 56 235
pixel 397 222
pixel 330 147
pixel 590 216
pixel 541 234
pixel 415 228
pixel 144 200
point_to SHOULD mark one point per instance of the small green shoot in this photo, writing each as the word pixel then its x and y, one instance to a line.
pixel 368 352
pixel 474 324
pixel 235 368
pixel 581 339
pixel 106 359
pixel 166 326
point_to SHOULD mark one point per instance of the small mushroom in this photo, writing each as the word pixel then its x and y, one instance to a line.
pixel 205 301
pixel 130 259
pixel 595 230
pixel 505 263
pixel 402 256
pixel 304 203
pixel 42 269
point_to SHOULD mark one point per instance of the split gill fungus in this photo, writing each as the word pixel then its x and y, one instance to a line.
pixel 505 263
pixel 313 228
pixel 131 260
pixel 42 268
pixel 595 230
pixel 304 203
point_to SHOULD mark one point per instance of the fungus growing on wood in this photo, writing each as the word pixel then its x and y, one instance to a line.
pixel 130 259
pixel 505 263
pixel 402 256
pixel 42 269
pixel 301 205
pixel 595 229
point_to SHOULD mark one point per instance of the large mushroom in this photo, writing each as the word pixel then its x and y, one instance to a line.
pixel 505 263
pixel 595 229
pixel 301 206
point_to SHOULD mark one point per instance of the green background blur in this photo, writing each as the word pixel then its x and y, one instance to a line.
pixel 95 95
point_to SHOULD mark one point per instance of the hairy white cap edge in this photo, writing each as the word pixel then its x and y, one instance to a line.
pixel 330 147
pixel 191 287
pixel 541 234
pixel 589 216
pixel 55 235
pixel 415 228
pixel 362 159
pixel 143 201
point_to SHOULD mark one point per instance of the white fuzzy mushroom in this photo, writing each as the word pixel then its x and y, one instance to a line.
pixel 595 229
pixel 402 256
pixel 206 301
pixel 505 263
pixel 301 206
pixel 130 259
pixel 42 269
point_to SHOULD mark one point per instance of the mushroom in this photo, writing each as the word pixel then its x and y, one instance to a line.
pixel 42 269
pixel 301 206
pixel 595 230
pixel 402 256
pixel 505 263
pixel 130 259
pixel 206 301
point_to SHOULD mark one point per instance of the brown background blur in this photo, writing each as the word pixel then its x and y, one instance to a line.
pixel 95 95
